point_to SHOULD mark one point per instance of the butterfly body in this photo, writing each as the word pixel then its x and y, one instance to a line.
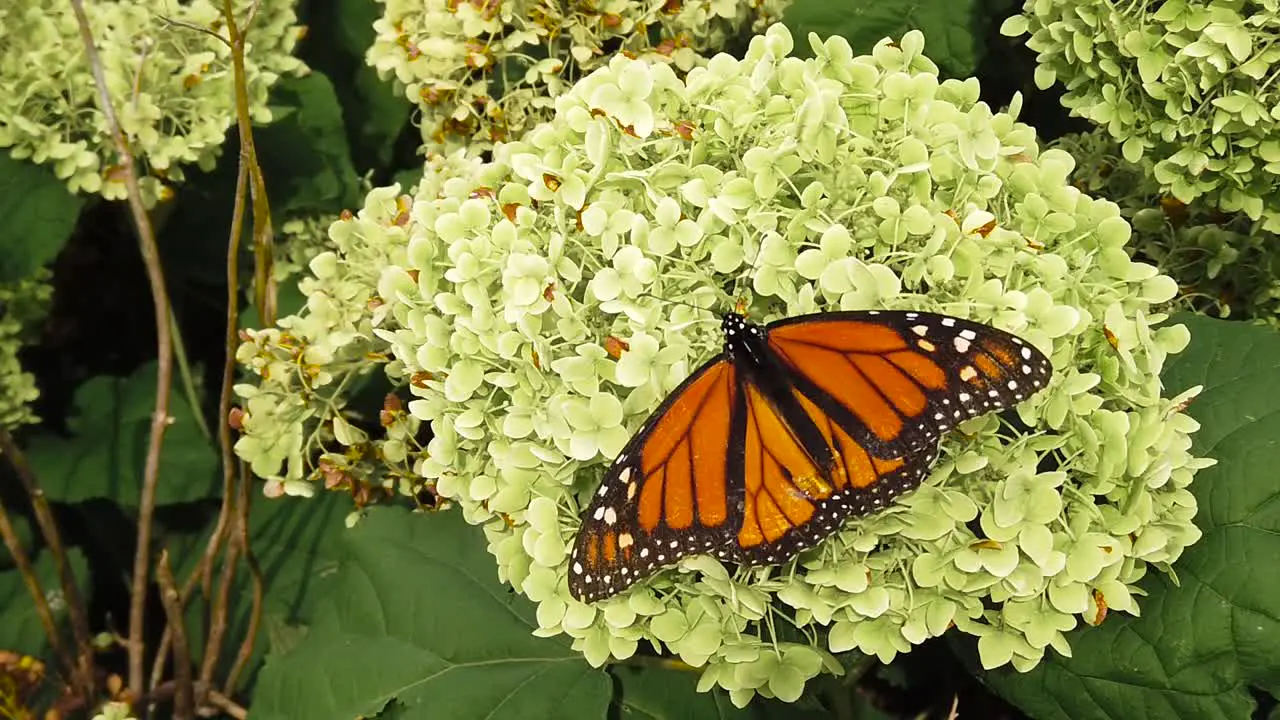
pixel 768 447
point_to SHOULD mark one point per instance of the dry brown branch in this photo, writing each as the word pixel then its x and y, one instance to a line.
pixel 183 692
pixel 259 589
pixel 29 578
pixel 82 677
pixel 164 358
pixel 218 613
pixel 263 235
pixel 226 705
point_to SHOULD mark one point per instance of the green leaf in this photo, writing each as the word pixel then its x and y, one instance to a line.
pixel 39 214
pixel 657 693
pixel 375 112
pixel 416 615
pixel 20 629
pixel 304 152
pixel 952 28
pixel 1199 647
pixel 104 456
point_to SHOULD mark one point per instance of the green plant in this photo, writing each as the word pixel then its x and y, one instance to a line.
pixel 484 71
pixel 1225 264
pixel 1189 85
pixel 837 182
pixel 22 308
pixel 167 65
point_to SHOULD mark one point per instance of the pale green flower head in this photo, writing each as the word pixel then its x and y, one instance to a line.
pixel 484 71
pixel 171 85
pixel 24 304
pixel 836 182
pixel 1187 86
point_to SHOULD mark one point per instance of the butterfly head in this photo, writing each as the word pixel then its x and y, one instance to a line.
pixel 741 336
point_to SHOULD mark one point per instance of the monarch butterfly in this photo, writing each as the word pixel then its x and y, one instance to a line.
pixel 768 447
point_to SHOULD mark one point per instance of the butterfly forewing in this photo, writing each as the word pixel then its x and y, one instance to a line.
pixel 815 420
pixel 666 495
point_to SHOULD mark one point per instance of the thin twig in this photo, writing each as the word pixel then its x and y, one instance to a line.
pixel 29 578
pixel 187 378
pixel 164 358
pixel 263 235
pixel 83 676
pixel 183 692
pixel 255 576
pixel 226 705
pixel 218 613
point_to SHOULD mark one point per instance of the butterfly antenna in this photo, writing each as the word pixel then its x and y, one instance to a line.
pixel 741 303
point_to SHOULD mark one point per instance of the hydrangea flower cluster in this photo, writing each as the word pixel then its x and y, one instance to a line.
pixel 24 305
pixel 484 71
pixel 168 73
pixel 1186 84
pixel 296 429
pixel 1222 262
pixel 523 309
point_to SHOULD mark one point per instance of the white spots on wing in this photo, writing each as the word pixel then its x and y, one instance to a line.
pixel 625 541
pixel 610 516
pixel 964 397
pixel 608 579
pixel 644 552
pixel 926 345
pixel 599 513
pixel 962 345
pixel 1026 353
pixel 577 568
pixel 675 544
pixel 631 491
pixel 948 322
pixel 920 330
pixel 1026 369
pixel 625 475
pixel 939 416
pixel 968 334
pixel 967 373
pixel 993 393
pixel 1013 384
pixel 912 316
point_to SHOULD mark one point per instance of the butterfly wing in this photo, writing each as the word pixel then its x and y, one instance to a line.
pixel 668 494
pixel 879 388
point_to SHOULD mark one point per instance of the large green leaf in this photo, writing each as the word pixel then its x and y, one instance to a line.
pixel 103 458
pixel 1199 647
pixel 39 214
pixel 20 629
pixel 657 692
pixel 953 29
pixel 416 615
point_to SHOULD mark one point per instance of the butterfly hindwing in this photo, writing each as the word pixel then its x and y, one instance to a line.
pixel 667 494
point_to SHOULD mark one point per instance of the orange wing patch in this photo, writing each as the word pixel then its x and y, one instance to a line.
pixel 681 474
pixel 773 461
pixel 840 377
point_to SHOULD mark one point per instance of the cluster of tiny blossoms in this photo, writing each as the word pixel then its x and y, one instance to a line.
pixel 1223 262
pixel 1188 85
pixel 168 73
pixel 296 428
pixel 520 303
pixel 484 71
pixel 22 307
